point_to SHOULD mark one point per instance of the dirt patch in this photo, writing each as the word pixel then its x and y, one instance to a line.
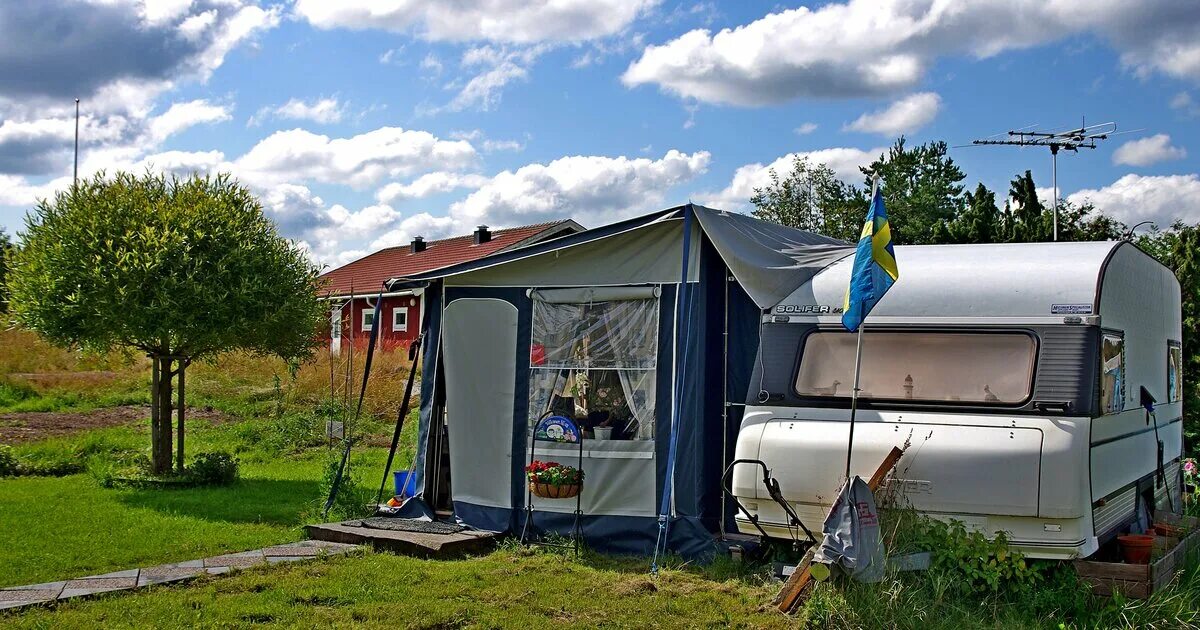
pixel 18 428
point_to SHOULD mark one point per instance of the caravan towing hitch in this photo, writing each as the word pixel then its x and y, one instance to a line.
pixel 772 486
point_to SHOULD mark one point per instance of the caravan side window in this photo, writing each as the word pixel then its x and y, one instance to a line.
pixel 1112 373
pixel 596 363
pixel 1174 371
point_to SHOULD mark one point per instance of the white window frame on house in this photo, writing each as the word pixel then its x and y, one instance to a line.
pixel 368 319
pixel 335 323
pixel 400 319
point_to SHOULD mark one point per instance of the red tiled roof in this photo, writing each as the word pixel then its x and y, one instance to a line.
pixel 367 274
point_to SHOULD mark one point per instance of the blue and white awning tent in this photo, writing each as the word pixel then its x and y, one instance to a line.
pixel 648 328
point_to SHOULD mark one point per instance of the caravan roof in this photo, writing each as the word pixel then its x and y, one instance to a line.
pixel 1017 280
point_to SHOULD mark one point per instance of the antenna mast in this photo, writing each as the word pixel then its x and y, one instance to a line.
pixel 75 175
pixel 1083 137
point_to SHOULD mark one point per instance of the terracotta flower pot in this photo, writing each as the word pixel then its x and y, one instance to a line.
pixel 1135 548
pixel 547 491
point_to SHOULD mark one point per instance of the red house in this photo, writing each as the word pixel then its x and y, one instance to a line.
pixel 352 289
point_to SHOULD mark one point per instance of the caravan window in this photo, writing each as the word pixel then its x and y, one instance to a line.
pixel 1112 373
pixel 1174 371
pixel 920 366
pixel 596 363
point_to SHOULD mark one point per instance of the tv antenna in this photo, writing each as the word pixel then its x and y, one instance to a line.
pixel 1083 137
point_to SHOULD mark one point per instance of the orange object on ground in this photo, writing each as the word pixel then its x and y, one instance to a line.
pixel 1135 548
pixel 392 502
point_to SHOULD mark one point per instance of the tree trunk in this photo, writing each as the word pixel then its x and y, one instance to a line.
pixel 180 407
pixel 160 417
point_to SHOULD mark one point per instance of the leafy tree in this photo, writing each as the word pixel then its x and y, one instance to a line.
pixel 179 269
pixel 809 197
pixel 922 187
pixel 1028 216
pixel 6 249
pixel 979 222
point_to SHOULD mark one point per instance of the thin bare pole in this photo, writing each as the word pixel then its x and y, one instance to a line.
pixel 1054 179
pixel 854 397
pixel 75 175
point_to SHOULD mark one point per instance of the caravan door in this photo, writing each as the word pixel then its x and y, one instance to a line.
pixel 479 355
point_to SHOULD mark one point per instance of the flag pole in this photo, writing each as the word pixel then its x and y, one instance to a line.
pixel 857 367
pixel 854 398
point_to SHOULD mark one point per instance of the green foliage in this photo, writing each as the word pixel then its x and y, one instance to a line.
pixel 352 498
pixel 977 563
pixel 216 468
pixel 922 186
pixel 179 269
pixel 189 267
pixel 810 197
pixel 8 461
pixel 6 249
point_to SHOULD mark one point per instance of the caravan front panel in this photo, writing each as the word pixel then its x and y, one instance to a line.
pixel 1013 386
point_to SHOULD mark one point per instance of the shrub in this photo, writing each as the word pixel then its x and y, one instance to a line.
pixel 980 564
pixel 215 468
pixel 352 498
pixel 8 462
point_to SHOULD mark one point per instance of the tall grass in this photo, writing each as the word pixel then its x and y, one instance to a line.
pixel 37 376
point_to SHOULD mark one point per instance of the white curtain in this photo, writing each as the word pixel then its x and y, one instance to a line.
pixel 572 340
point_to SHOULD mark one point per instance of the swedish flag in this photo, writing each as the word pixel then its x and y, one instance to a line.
pixel 874 269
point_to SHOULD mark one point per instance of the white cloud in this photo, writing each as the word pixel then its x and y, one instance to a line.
pixel 392 55
pixel 494 67
pixel 322 110
pixel 181 116
pixel 423 224
pixel 1184 103
pixel 507 21
pixel 431 64
pixel 1162 199
pixel 903 116
pixel 861 48
pixel 362 160
pixel 805 129
pixel 427 185
pixel 844 162
pixel 1147 151
pixel 591 189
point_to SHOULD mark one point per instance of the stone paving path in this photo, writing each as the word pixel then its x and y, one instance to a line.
pixel 33 594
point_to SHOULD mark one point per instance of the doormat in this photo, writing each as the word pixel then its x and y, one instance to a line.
pixel 406 525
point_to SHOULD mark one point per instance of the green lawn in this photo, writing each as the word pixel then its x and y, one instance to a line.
pixel 506 589
pixel 53 528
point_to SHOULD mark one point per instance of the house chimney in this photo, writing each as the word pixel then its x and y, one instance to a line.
pixel 418 245
pixel 482 235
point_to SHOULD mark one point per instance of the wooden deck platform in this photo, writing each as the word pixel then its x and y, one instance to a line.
pixel 419 544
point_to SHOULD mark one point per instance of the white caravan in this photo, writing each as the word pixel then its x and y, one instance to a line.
pixel 1014 373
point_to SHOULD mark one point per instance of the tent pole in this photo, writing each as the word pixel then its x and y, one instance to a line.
pixel 724 397
pixel 854 397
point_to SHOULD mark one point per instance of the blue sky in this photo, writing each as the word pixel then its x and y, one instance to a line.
pixel 364 123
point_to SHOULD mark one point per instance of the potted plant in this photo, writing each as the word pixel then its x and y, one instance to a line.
pixel 552 480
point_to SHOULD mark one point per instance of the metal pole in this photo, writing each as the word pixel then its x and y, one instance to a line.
pixel 1054 179
pixel 854 397
pixel 75 175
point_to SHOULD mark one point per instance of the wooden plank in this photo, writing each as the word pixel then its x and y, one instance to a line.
pixel 419 544
pixel 789 596
pixel 1108 586
pixel 1112 570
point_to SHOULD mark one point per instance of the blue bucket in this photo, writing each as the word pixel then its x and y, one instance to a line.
pixel 406 485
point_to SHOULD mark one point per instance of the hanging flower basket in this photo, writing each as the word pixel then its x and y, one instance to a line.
pixel 551 480
pixel 548 491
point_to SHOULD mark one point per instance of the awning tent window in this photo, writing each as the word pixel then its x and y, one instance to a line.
pixel 596 363
pixel 933 367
